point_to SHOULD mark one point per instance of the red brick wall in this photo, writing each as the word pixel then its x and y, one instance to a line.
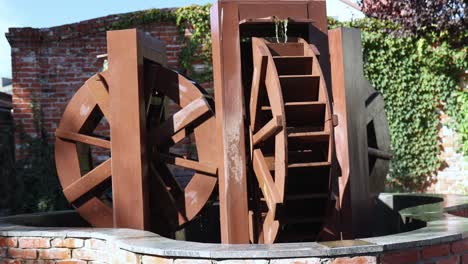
pixel 50 64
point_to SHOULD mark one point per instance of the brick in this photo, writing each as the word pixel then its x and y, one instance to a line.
pixel 297 261
pixel 54 253
pixel 71 261
pixel 67 243
pixel 155 260
pixel 460 246
pixel 464 258
pixel 449 260
pixel 8 242
pixel 22 253
pixel 355 260
pixel 125 257
pixel 88 254
pixel 192 261
pixel 34 242
pixel 400 257
pixel 3 252
pixel 436 251
pixel 95 243
pixel 10 261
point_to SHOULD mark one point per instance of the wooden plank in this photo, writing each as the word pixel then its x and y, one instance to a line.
pixel 260 58
pixel 265 180
pixel 268 130
pixel 351 143
pixel 96 212
pixel 230 122
pixel 181 119
pixel 128 118
pixel 76 137
pixel 89 181
pixel 100 94
pixel 190 164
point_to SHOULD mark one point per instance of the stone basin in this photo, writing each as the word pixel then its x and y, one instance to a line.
pixel 416 228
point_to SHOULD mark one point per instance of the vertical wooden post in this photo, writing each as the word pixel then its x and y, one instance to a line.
pixel 230 123
pixel 349 86
pixel 129 156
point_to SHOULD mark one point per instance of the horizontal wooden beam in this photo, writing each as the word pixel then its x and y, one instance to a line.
pixel 190 164
pixel 270 129
pixel 76 137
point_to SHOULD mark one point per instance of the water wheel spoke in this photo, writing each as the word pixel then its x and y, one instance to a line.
pixel 97 212
pixel 380 154
pixel 182 119
pixel 100 94
pixel 77 137
pixel 89 181
pixel 269 130
pixel 190 164
pixel 265 180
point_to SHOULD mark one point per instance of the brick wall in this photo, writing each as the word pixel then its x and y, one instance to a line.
pixel 55 250
pixel 453 177
pixel 50 64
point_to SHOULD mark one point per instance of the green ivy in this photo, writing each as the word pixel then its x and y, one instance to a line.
pixel 143 18
pixel 194 19
pixel 418 78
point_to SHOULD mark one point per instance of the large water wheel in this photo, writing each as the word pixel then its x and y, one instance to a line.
pixel 86 179
pixel 292 141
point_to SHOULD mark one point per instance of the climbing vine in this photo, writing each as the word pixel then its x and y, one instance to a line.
pixel 191 20
pixel 418 78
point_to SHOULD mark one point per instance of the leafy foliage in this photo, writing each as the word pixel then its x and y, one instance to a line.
pixel 37 187
pixel 417 80
pixel 143 18
pixel 194 19
pixel 423 18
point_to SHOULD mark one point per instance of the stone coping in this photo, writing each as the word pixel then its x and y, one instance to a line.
pixel 441 227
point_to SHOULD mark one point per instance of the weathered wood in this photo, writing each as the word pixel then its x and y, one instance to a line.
pixel 229 122
pixel 355 113
pixel 181 119
pixel 379 153
pixel 190 164
pixel 268 130
pixel 265 180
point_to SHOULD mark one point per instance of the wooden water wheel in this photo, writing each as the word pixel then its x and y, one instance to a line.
pixel 87 182
pixel 291 140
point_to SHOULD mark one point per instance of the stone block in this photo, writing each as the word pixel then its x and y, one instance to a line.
pixel 95 243
pixel 155 260
pixel 297 261
pixel 355 260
